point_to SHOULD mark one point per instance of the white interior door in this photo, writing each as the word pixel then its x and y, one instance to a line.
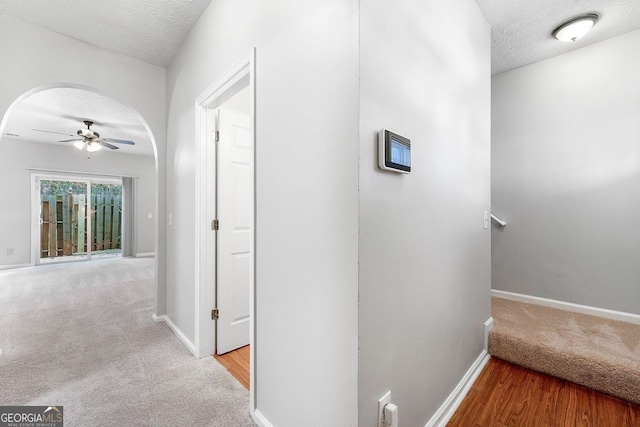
pixel 234 213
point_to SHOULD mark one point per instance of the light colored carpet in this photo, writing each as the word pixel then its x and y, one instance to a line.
pixel 81 336
pixel 598 353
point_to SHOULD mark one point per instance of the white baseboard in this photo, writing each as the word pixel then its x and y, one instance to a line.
pixel 448 408
pixel 146 255
pixel 260 419
pixel 488 326
pixel 9 267
pixel 577 308
pixel 182 337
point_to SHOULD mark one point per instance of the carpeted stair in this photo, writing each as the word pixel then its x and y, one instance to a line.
pixel 598 353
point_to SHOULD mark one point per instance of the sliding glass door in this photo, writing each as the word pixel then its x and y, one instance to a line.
pixel 78 219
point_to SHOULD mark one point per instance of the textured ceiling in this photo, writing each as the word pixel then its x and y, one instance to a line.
pixel 521 29
pixel 61 112
pixel 150 30
pixel 153 30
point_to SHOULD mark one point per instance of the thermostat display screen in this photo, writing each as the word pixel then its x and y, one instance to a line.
pixel 394 152
pixel 400 153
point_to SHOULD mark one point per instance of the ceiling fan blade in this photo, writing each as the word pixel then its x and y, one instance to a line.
pixel 119 141
pixel 50 131
pixel 71 140
pixel 106 144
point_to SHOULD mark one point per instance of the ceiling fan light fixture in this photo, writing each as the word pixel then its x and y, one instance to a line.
pixel 79 145
pixel 575 28
pixel 93 146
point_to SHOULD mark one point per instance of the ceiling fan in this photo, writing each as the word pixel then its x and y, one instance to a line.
pixel 91 140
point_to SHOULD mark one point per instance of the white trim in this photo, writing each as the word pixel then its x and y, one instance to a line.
pixel 260 419
pixel 252 266
pixel 488 326
pixel 34 229
pixel 146 255
pixel 576 308
pixel 448 408
pixel 237 77
pixel 10 266
pixel 182 337
pixel 105 175
pixel 241 74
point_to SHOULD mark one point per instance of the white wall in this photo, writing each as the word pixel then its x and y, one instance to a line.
pixel 33 57
pixel 307 199
pixel 424 255
pixel 566 176
pixel 15 188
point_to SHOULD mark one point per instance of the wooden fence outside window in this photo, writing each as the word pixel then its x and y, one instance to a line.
pixel 64 224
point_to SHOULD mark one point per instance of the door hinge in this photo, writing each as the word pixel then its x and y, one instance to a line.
pixel 217 136
pixel 215 225
pixel 215 314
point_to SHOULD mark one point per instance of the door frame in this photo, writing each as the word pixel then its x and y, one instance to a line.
pixel 36 203
pixel 239 76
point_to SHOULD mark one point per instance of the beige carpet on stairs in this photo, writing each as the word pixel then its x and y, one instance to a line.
pixel 598 353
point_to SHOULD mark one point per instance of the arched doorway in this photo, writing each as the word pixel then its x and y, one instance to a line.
pixel 37 136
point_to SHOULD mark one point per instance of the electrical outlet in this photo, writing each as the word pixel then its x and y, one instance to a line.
pixel 150 216
pixel 9 251
pixel 384 400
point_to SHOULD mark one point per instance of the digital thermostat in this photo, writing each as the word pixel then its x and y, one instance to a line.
pixel 394 152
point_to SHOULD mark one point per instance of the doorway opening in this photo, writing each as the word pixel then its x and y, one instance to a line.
pixel 230 125
pixel 34 138
pixel 225 214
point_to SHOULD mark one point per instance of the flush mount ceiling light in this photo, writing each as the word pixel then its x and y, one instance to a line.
pixel 577 27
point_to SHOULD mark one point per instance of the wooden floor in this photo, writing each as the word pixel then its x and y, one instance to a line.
pixel 508 395
pixel 237 363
